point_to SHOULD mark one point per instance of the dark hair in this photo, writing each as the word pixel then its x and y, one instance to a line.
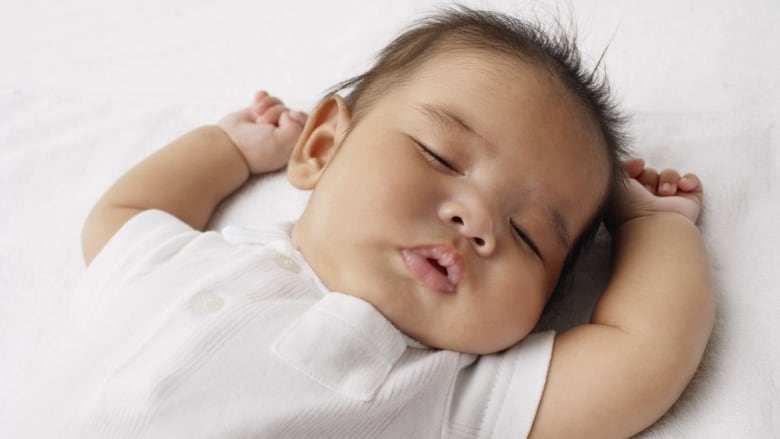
pixel 554 49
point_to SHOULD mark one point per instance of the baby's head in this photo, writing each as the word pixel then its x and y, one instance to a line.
pixel 455 182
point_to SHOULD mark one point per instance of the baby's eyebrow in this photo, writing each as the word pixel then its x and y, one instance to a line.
pixel 448 120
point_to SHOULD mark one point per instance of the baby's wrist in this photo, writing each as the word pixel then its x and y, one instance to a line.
pixel 222 135
pixel 228 137
pixel 219 126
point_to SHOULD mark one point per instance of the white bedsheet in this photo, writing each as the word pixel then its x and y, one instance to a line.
pixel 87 88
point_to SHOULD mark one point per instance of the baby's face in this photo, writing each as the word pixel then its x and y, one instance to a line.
pixel 453 202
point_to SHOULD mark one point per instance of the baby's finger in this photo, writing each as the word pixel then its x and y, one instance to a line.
pixel 260 95
pixel 690 183
pixel 667 182
pixel 272 114
pixel 299 116
pixel 649 179
pixel 289 129
pixel 266 103
pixel 287 121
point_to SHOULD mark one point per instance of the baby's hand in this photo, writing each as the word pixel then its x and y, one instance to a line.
pixel 649 192
pixel 264 132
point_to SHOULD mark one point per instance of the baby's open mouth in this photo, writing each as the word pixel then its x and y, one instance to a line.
pixel 438 267
pixel 435 263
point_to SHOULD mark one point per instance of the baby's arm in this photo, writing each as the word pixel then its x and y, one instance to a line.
pixel 192 175
pixel 624 370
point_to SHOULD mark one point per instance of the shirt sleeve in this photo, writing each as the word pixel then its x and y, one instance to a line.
pixel 139 246
pixel 498 395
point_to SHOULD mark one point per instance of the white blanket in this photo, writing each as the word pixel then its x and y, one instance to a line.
pixel 87 88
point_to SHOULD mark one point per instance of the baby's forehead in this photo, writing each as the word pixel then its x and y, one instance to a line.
pixel 487 83
pixel 489 74
pixel 453 69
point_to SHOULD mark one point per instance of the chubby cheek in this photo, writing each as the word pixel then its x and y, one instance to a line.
pixel 518 304
pixel 498 327
pixel 518 317
pixel 396 202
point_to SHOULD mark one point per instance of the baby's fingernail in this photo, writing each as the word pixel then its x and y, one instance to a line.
pixel 666 187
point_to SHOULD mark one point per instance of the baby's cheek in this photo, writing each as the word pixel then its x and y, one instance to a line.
pixel 510 321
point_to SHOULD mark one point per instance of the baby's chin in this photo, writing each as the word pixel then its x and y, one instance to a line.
pixel 467 343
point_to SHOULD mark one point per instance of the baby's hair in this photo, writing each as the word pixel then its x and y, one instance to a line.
pixel 461 28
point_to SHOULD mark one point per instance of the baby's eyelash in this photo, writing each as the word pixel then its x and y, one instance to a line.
pixel 436 159
pixel 525 238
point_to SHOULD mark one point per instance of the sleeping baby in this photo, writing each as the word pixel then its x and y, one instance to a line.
pixel 452 185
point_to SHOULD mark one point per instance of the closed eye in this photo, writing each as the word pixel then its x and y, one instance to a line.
pixel 435 159
pixel 517 231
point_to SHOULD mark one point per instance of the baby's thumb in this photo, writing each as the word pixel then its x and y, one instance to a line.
pixel 298 116
pixel 289 128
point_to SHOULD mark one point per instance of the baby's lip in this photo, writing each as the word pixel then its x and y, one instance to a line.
pixel 439 267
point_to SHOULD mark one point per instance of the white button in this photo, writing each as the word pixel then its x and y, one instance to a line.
pixel 206 302
pixel 287 263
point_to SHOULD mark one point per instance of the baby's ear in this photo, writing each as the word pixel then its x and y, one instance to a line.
pixel 325 129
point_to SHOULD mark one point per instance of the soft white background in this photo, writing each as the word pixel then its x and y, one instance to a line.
pixel 89 87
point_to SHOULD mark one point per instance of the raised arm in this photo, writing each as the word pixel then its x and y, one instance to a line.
pixel 617 375
pixel 191 176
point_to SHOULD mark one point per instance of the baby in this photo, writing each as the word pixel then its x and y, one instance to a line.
pixel 450 190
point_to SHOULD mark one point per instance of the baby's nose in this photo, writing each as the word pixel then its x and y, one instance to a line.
pixel 472 221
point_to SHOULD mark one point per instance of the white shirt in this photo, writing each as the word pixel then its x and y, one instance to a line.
pixel 183 334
